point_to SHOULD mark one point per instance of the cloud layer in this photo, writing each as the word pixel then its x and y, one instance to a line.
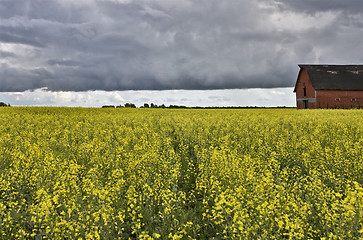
pixel 171 44
pixel 191 98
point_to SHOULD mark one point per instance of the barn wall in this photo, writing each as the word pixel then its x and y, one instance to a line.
pixel 303 79
pixel 339 99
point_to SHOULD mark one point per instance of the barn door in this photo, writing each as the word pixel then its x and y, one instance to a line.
pixel 305 104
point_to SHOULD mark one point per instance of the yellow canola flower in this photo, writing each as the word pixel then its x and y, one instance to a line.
pixel 76 173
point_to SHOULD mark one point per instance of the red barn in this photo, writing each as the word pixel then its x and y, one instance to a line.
pixel 329 86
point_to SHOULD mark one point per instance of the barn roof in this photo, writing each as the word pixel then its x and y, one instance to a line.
pixel 335 77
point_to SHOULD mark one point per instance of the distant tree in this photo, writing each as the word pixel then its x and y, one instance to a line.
pixel 108 106
pixel 2 104
pixel 130 105
pixel 146 105
pixel 177 106
pixel 162 106
pixel 152 105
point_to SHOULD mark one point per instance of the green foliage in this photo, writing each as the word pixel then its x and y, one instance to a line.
pixel 2 104
pixel 130 105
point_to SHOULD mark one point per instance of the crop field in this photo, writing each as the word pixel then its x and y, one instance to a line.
pixel 76 173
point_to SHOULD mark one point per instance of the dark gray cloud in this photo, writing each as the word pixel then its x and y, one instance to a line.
pixel 316 6
pixel 6 54
pixel 176 44
pixel 18 79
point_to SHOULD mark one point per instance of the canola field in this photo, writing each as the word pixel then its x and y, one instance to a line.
pixel 75 173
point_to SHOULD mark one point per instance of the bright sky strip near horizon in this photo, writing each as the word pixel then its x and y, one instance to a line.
pixel 198 52
pixel 190 98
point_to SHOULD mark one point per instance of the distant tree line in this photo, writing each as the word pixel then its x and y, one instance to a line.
pixel 127 105
pixel 2 104
pixel 152 105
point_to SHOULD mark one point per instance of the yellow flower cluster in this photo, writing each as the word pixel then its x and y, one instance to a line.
pixel 75 173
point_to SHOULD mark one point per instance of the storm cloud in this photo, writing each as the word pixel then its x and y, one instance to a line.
pixel 64 45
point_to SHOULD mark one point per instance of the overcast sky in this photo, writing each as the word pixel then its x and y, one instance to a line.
pixel 89 52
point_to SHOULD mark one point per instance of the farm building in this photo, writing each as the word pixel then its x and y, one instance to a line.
pixel 329 86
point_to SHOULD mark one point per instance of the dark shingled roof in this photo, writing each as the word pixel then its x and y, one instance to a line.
pixel 335 77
